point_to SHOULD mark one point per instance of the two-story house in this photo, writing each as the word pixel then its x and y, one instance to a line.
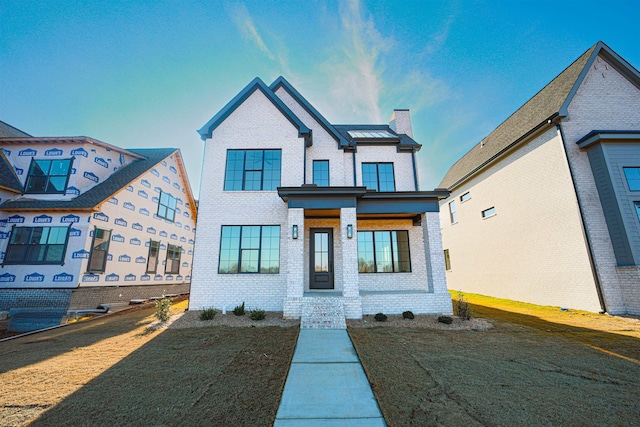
pixel 546 208
pixel 83 222
pixel 294 208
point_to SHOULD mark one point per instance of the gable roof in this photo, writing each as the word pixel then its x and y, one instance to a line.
pixel 257 84
pixel 281 82
pixel 8 131
pixel 404 142
pixel 8 178
pixel 547 106
pixel 95 196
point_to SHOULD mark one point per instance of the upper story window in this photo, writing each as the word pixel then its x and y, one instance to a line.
pixel 378 176
pixel 466 196
pixel 37 245
pixel 252 170
pixel 167 206
pixel 489 212
pixel 453 215
pixel 99 250
pixel 321 173
pixel 633 178
pixel 48 176
pixel 383 252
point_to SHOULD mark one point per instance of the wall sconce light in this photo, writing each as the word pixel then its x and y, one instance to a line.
pixel 294 232
pixel 350 231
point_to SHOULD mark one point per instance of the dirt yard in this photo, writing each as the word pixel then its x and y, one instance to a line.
pixel 117 371
pixel 536 366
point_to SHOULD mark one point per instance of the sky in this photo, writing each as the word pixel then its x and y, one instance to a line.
pixel 141 74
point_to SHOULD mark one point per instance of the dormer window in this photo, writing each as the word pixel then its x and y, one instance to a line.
pixel 378 176
pixel 48 176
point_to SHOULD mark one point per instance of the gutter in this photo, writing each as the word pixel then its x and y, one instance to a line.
pixel 582 223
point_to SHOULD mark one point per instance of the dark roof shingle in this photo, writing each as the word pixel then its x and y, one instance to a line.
pixel 8 131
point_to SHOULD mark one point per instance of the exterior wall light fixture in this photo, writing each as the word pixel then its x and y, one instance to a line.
pixel 350 231
pixel 294 232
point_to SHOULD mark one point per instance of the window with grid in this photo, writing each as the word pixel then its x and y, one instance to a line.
pixel 321 173
pixel 152 258
pixel 167 206
pixel 48 176
pixel 37 245
pixel 453 215
pixel 383 252
pixel 250 249
pixel 257 170
pixel 172 264
pixel 378 176
pixel 99 250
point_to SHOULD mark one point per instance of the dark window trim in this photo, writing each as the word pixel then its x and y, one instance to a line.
pixel 167 207
pixel 239 258
pixel 462 199
pixel 157 247
pixel 378 173
pixel 66 183
pixel 392 259
pixel 313 177
pixel 485 213
pixel 64 249
pixel 106 251
pixel 176 249
pixel 244 171
pixel 447 260
pixel 627 179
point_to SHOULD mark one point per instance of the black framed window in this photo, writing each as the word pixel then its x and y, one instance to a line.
pixel 250 249
pixel 99 250
pixel 489 212
pixel 48 176
pixel 633 178
pixel 321 173
pixel 152 258
pixel 172 265
pixel 378 176
pixel 447 260
pixel 37 245
pixel 383 252
pixel 167 206
pixel 257 170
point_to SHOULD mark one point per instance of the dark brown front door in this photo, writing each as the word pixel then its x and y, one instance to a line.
pixel 321 258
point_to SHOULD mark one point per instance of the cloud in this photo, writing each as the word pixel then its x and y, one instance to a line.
pixel 240 16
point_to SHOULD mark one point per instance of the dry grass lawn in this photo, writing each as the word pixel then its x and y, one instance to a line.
pixel 537 366
pixel 117 371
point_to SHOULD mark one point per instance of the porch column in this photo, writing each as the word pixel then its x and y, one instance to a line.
pixel 434 254
pixel 295 264
pixel 350 285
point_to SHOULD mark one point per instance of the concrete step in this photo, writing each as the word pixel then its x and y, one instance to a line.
pixel 323 313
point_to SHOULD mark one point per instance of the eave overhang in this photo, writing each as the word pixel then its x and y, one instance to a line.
pixel 608 136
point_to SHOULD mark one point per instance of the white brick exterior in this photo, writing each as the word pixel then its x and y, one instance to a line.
pixel 256 123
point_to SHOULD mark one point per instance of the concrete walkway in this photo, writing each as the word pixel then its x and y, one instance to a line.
pixel 326 385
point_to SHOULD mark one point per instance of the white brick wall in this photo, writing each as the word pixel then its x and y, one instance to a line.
pixel 605 100
pixel 402 164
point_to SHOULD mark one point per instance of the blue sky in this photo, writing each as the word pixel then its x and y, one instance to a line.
pixel 149 73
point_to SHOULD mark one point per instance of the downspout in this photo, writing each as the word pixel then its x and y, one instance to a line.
pixel 415 170
pixel 582 221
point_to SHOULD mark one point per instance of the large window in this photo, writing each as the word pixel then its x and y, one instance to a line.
pixel 152 259
pixel 453 215
pixel 383 252
pixel 167 206
pixel 250 249
pixel 48 176
pixel 172 265
pixel 633 178
pixel 378 176
pixel 252 170
pixel 37 245
pixel 99 250
pixel 321 173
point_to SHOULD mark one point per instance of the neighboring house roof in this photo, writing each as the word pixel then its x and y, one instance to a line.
pixel 66 140
pixel 550 104
pixel 281 82
pixel 371 134
pixel 8 131
pixel 8 178
pixel 148 157
pixel 257 84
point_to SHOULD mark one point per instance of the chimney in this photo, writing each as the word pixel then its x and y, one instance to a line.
pixel 400 122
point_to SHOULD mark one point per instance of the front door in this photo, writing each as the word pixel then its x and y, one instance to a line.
pixel 321 258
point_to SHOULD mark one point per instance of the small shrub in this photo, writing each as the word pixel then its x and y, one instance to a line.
pixel 163 309
pixel 239 310
pixel 447 320
pixel 408 315
pixel 380 317
pixel 257 315
pixel 462 308
pixel 208 314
